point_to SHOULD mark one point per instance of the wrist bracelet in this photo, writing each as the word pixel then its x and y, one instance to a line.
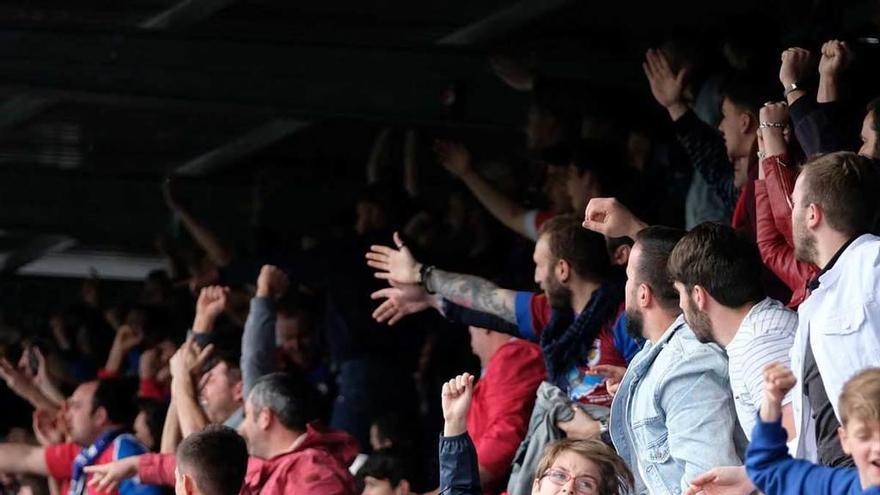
pixel 424 274
pixel 779 125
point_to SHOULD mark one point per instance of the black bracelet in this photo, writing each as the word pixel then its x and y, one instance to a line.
pixel 424 273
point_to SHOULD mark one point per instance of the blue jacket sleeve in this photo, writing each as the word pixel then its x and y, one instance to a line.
pixel 459 474
pixel 258 342
pixel 466 316
pixel 775 472
pixel 127 446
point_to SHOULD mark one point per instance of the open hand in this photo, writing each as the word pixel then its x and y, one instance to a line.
pixel 397 265
pixel 726 480
pixel 106 478
pixel 401 300
pixel 666 86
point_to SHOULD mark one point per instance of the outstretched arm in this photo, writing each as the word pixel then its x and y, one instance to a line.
pixel 19 458
pixel 457 160
pixel 399 266
pixel 219 253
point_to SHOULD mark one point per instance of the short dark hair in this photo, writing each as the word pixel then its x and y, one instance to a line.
pixel 846 186
pixel 387 464
pixel 287 396
pixel 583 249
pixel 727 265
pixel 747 92
pixel 156 412
pixel 656 243
pixel 216 458
pixel 117 397
pixel 232 359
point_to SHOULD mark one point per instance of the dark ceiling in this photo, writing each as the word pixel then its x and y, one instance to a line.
pixel 100 99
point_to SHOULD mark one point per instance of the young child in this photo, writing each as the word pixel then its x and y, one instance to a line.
pixel 775 472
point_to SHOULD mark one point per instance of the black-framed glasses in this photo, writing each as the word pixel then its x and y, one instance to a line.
pixel 583 485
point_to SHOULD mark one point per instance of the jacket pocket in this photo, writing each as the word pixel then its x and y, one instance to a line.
pixel 653 440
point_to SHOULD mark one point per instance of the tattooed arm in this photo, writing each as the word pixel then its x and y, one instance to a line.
pixel 474 293
pixel 398 266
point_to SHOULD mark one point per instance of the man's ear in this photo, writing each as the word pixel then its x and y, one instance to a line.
pixel 644 295
pixel 814 215
pixel 747 123
pixel 563 271
pixel 844 440
pixel 700 297
pixel 264 418
pixel 238 391
pixel 403 488
pixel 100 416
pixel 620 256
pixel 189 485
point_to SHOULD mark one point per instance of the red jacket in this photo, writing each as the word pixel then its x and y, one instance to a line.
pixel 317 466
pixel 503 400
pixel 775 238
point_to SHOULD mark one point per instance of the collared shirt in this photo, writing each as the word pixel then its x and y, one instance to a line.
pixel 814 284
pixel 765 336
pixel 673 416
pixel 840 322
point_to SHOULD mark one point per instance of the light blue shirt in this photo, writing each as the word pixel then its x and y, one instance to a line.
pixel 673 417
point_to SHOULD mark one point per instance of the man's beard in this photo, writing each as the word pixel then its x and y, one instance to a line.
pixel 635 323
pixel 804 244
pixel 558 295
pixel 699 322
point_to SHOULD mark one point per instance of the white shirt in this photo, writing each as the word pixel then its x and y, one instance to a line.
pixel 842 319
pixel 765 336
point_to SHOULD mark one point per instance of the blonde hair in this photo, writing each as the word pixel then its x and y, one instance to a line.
pixel 616 476
pixel 861 397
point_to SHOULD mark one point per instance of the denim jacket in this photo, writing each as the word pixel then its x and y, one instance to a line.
pixel 673 417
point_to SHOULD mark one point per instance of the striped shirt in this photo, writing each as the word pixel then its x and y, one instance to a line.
pixel 765 335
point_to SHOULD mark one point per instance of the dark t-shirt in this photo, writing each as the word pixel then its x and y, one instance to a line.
pixel 830 451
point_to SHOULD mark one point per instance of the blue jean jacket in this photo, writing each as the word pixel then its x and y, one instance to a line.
pixel 673 417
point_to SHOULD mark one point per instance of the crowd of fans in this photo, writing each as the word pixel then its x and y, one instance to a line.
pixel 705 319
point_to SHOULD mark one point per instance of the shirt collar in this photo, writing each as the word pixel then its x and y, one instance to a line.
pixel 814 284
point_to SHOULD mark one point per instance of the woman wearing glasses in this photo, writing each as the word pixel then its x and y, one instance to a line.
pixel 582 467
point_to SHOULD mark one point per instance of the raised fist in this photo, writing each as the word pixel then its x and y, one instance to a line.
pixel 272 282
pixel 795 65
pixel 835 58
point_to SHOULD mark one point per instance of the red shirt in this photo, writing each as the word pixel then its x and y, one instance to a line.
pixel 319 465
pixel 533 313
pixel 59 462
pixel 502 404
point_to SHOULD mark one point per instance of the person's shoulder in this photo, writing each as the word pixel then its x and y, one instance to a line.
pixel 689 353
pixel 769 317
pixel 126 445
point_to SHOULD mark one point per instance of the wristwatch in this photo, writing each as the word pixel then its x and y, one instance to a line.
pixel 791 87
pixel 603 424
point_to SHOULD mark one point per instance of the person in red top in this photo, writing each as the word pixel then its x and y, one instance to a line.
pixel 503 400
pixel 572 319
pixel 97 415
pixel 288 455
